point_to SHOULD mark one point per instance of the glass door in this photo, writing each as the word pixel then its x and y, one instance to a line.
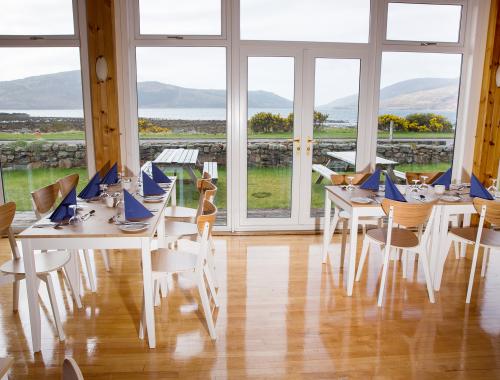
pixel 270 138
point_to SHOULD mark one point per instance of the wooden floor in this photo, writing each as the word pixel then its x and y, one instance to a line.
pixel 283 315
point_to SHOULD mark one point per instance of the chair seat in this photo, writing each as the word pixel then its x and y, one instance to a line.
pixel 178 229
pixel 400 238
pixel 180 212
pixel 172 261
pixel 44 263
pixel 489 238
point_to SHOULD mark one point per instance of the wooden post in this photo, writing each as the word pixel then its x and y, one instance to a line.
pixel 101 43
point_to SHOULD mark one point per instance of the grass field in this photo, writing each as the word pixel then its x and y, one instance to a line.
pixel 268 188
pixel 335 133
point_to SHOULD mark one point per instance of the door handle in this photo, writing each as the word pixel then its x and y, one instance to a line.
pixel 309 142
pixel 296 141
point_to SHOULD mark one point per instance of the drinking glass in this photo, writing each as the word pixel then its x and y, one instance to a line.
pixel 350 186
pixel 415 187
pixel 104 190
pixel 75 219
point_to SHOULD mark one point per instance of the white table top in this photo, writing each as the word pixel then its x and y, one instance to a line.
pixel 350 158
pixel 98 226
pixel 177 156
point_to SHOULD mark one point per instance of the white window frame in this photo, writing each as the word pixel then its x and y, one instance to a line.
pixel 461 32
pixel 471 45
pixel 79 40
pixel 181 37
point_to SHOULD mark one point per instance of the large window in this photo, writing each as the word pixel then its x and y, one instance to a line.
pixel 181 93
pixel 42 128
pixel 418 110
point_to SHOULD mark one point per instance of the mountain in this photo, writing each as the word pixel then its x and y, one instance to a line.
pixel 437 95
pixel 63 91
pixel 51 91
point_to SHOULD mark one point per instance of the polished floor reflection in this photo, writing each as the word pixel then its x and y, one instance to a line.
pixel 283 315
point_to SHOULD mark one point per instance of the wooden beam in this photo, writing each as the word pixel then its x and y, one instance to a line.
pixel 101 43
pixel 487 143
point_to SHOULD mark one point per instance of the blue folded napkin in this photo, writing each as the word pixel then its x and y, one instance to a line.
pixel 150 187
pixel 63 212
pixel 444 179
pixel 158 175
pixel 477 190
pixel 92 189
pixel 134 210
pixel 111 177
pixel 372 182
pixel 392 192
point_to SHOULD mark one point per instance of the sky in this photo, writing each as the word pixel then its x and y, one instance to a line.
pixel 206 67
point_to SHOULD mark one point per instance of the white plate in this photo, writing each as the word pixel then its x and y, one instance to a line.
pixel 153 199
pixel 450 198
pixel 362 200
pixel 132 228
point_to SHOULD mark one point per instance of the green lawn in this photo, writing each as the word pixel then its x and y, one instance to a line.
pixel 268 188
pixel 334 133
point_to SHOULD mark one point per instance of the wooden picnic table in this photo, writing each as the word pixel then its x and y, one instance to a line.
pixel 179 158
pixel 350 158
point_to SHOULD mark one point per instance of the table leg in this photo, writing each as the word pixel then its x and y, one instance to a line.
pixel 191 174
pixel 160 232
pixel 173 195
pixel 326 226
pixel 434 246
pixel 353 243
pixel 147 280
pixel 441 247
pixel 32 292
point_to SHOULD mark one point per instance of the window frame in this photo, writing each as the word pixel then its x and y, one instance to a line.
pixel 78 40
pixel 461 32
pixel 178 37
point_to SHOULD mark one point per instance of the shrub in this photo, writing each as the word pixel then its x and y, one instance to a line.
pixel 266 122
pixel 319 120
pixel 147 126
pixel 400 123
pixel 431 122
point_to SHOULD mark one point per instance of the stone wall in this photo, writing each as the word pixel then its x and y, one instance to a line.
pixel 266 153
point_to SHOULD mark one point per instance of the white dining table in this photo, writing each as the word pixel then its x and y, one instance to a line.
pixel 95 233
pixel 339 199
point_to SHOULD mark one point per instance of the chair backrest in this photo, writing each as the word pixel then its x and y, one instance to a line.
pixel 431 176
pixel 70 370
pixel 408 214
pixel 207 192
pixel 341 179
pixel 492 212
pixel 66 184
pixel 7 213
pixel 44 199
pixel 208 215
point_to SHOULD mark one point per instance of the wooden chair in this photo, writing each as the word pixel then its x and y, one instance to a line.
pixel 188 213
pixel 488 239
pixel 45 264
pixel 71 370
pixel 413 176
pixel 44 199
pixel 408 215
pixel 344 216
pixel 66 184
pixel 189 257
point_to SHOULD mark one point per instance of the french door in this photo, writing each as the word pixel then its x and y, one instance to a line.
pixel 296 106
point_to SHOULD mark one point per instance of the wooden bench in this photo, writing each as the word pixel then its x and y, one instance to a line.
pixel 211 168
pixel 323 171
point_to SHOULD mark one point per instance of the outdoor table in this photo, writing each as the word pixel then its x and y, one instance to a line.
pixel 350 158
pixel 94 233
pixel 341 199
pixel 183 158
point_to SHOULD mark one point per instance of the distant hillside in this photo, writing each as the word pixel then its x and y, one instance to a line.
pixel 437 95
pixel 63 91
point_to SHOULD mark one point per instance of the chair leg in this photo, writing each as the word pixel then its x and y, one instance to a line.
pixel 362 259
pixel 486 254
pixel 164 287
pixel 404 262
pixel 90 271
pixel 472 272
pixel 344 241
pixel 75 294
pixel 456 248
pixel 15 295
pixel 142 322
pixel 384 275
pixel 210 282
pixel 425 264
pixel 53 303
pixel 211 265
pixel 156 291
pixel 333 226
pixel 206 305
pixel 105 258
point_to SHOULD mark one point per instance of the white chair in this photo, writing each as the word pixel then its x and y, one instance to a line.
pixel 71 370
pixel 344 216
pixel 408 215
pixel 479 236
pixel 188 213
pixel 189 257
pixel 45 264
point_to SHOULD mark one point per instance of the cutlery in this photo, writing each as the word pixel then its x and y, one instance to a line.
pixel 88 215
